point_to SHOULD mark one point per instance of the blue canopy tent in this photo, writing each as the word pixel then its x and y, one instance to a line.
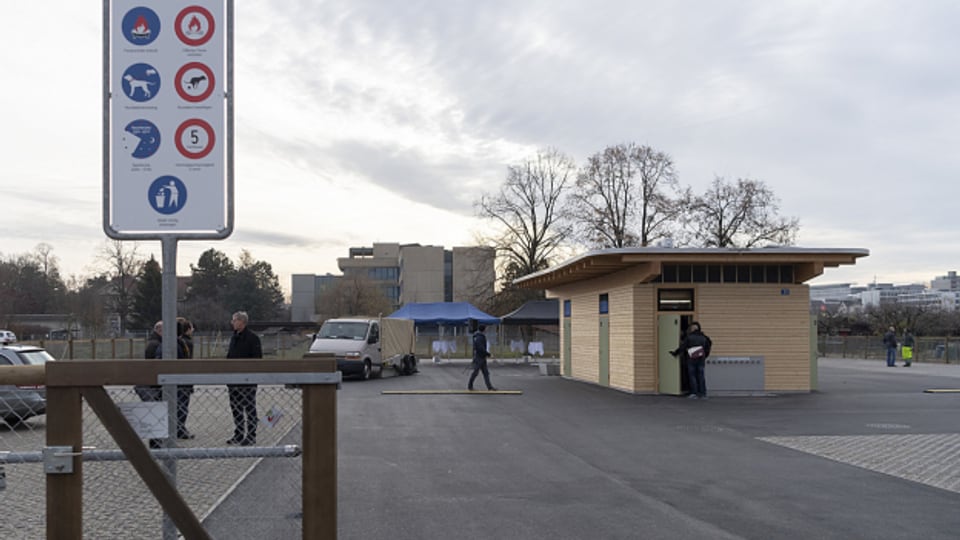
pixel 432 319
pixel 449 313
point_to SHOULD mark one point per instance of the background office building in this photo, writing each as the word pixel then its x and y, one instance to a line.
pixel 406 273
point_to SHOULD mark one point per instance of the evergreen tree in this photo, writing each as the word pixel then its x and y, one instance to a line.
pixel 148 296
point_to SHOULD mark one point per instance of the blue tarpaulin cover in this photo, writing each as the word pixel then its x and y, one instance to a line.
pixel 443 313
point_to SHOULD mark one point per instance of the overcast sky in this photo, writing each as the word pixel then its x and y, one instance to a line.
pixel 361 121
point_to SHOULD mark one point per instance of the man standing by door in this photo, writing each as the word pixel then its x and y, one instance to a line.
pixel 697 347
pixel 243 397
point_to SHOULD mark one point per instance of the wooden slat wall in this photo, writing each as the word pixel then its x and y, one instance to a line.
pixel 585 327
pixel 645 339
pixel 622 338
pixel 757 320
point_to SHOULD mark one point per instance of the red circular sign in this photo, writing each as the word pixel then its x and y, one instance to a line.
pixel 195 138
pixel 195 82
pixel 194 25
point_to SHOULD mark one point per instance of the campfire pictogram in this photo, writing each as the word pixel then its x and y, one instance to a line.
pixel 194 27
pixel 141 28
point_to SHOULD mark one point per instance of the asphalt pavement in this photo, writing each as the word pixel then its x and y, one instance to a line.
pixel 868 455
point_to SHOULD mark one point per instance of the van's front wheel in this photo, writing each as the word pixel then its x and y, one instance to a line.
pixel 367 370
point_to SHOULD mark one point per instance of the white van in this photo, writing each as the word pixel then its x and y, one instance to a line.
pixel 7 337
pixel 364 346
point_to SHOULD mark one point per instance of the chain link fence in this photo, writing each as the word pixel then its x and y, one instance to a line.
pixel 211 461
pixel 941 350
pixel 275 345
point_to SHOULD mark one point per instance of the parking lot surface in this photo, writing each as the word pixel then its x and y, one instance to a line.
pixel 573 460
pixel 868 455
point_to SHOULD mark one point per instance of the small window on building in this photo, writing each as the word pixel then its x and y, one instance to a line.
pixel 566 308
pixel 669 273
pixel 743 274
pixel 729 273
pixel 786 274
pixel 604 303
pixel 675 299
pixel 713 273
pixel 773 274
pixel 699 273
pixel 757 274
pixel 683 273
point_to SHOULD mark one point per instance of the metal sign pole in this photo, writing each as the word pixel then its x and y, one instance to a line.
pixel 168 244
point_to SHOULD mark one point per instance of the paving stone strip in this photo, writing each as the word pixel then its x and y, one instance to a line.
pixel 924 458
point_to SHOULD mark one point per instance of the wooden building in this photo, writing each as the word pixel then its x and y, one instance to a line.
pixel 623 310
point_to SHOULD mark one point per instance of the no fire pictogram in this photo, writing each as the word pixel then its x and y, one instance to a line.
pixel 195 26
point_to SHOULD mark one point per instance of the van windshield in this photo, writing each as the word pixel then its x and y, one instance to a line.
pixel 343 330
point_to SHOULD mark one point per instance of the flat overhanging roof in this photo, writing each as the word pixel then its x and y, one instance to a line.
pixel 647 262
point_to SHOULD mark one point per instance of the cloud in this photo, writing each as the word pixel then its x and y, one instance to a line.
pixel 352 113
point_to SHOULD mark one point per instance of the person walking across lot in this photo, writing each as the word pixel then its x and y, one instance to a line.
pixel 480 354
pixel 243 397
pixel 906 348
pixel 697 347
pixel 890 341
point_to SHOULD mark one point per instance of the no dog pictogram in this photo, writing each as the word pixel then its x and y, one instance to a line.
pixel 195 82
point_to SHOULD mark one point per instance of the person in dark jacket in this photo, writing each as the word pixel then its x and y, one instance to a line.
pixel 152 392
pixel 480 354
pixel 890 341
pixel 184 343
pixel 243 397
pixel 183 391
pixel 696 359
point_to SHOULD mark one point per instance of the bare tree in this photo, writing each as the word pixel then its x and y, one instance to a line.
pixel 122 264
pixel 740 215
pixel 621 199
pixel 352 294
pixel 528 213
pixel 44 256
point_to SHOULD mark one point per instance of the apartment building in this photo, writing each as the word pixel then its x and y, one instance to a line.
pixel 406 273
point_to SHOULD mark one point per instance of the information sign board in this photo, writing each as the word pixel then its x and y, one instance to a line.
pixel 168 137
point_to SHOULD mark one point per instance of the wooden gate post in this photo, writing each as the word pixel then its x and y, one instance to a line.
pixel 65 490
pixel 319 462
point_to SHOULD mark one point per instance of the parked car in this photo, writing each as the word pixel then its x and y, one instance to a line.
pixel 7 337
pixel 18 403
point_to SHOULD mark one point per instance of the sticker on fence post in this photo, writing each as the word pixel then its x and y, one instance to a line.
pixel 273 416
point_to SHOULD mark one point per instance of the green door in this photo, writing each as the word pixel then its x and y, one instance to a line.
pixel 668 337
pixel 567 363
pixel 604 350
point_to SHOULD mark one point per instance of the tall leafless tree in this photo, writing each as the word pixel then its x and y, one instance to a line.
pixel 528 212
pixel 122 264
pixel 621 197
pixel 743 214
pixel 352 294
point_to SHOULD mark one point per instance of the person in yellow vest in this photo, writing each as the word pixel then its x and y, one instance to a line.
pixel 906 348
